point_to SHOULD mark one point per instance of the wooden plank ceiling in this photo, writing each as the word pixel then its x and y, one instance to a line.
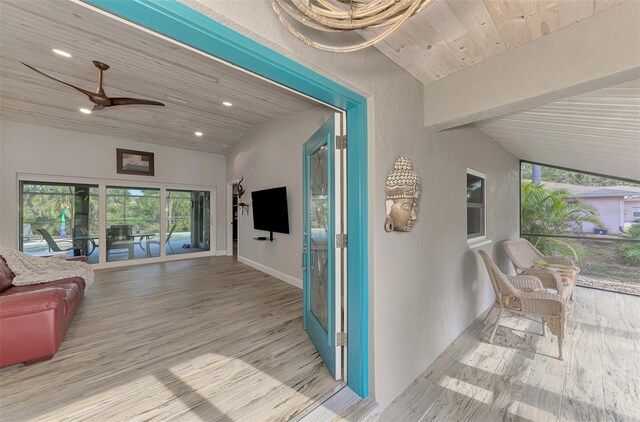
pixel 451 35
pixel 597 132
pixel 142 65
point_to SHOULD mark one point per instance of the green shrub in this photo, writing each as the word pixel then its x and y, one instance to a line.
pixel 630 251
pixel 554 212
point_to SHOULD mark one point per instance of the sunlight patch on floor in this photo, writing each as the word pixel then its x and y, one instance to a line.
pixel 523 410
pixel 473 391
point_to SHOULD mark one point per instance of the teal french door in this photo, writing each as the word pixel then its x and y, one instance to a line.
pixel 322 257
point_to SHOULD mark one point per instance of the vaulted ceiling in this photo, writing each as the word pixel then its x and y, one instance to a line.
pixel 451 35
pixel 193 86
pixel 597 132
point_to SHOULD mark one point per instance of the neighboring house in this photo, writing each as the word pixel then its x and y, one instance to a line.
pixel 618 206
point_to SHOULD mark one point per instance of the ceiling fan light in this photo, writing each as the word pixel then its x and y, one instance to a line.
pixel 85 111
pixel 61 53
pixel 198 133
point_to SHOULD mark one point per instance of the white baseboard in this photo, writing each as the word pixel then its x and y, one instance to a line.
pixel 277 274
pixel 221 253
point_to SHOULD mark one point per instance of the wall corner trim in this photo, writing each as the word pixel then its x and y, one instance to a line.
pixel 274 273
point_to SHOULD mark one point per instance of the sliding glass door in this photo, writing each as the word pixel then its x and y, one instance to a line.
pixel 133 223
pixel 59 217
pixel 188 215
pixel 138 222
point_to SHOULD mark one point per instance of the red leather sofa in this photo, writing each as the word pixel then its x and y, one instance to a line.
pixel 35 318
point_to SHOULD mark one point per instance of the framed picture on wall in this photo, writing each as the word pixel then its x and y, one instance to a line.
pixel 134 162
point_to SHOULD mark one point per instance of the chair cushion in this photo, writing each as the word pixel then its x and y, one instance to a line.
pixel 567 273
pixel 513 302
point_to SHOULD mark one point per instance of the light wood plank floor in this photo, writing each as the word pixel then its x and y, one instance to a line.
pixel 202 339
pixel 520 378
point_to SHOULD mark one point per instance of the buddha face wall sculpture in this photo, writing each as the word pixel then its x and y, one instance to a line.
pixel 402 193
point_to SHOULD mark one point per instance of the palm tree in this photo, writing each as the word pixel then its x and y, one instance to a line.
pixel 554 212
pixel 630 251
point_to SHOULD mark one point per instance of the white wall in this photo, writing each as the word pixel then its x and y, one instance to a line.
pixel 48 151
pixel 270 155
pixel 425 286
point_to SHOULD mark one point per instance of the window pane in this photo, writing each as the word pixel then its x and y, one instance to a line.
pixel 475 222
pixel 188 222
pixel 60 217
pixel 475 189
pixel 133 223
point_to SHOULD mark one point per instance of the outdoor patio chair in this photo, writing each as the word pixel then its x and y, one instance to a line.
pixel 555 272
pixel 168 241
pixel 525 295
pixel 83 241
pixel 52 244
pixel 119 237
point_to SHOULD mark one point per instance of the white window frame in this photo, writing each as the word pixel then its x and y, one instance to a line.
pixel 482 239
pixel 635 212
pixel 102 189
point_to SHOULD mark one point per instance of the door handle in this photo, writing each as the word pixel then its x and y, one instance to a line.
pixel 304 254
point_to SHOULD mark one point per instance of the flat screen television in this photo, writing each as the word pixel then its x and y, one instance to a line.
pixel 270 210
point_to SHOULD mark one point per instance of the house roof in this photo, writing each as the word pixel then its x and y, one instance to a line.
pixel 583 191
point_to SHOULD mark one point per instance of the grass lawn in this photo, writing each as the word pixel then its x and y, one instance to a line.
pixel 600 260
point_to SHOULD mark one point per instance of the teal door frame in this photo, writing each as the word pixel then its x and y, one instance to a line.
pixel 183 24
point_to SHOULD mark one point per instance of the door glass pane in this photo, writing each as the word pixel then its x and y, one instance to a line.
pixel 59 217
pixel 133 223
pixel 319 224
pixel 188 221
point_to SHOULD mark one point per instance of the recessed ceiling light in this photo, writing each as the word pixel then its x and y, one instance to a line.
pixel 61 53
pixel 226 103
pixel 198 133
pixel 85 111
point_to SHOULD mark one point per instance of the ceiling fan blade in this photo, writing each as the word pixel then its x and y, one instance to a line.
pixel 130 101
pixel 84 91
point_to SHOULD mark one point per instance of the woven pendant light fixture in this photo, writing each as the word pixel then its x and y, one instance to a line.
pixel 346 15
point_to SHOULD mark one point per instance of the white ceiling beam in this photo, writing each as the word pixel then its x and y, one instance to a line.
pixel 601 51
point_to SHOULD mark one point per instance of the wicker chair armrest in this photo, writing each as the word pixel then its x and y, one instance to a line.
pixel 543 303
pixel 525 282
pixel 559 260
pixel 544 295
pixel 549 278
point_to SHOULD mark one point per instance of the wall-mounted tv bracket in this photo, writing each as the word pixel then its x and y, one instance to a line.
pixel 270 238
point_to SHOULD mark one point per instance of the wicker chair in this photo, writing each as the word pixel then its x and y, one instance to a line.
pixel 525 295
pixel 523 256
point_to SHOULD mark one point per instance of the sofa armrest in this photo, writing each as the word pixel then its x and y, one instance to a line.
pixel 30 302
